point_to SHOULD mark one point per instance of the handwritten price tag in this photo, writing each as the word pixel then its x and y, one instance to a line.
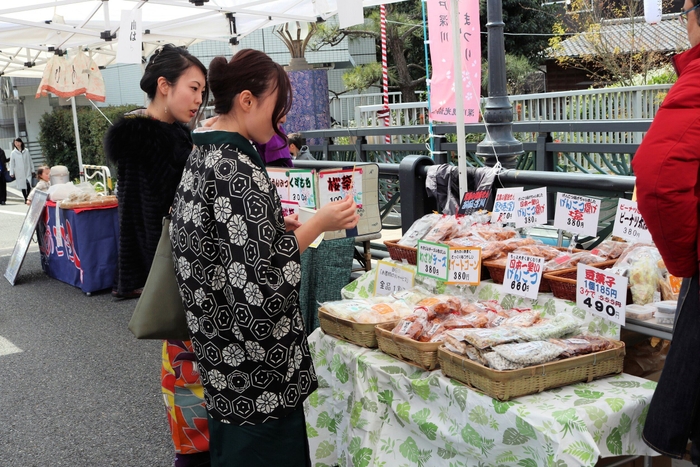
pixel 336 185
pixel 392 278
pixel 601 293
pixel 504 205
pixel 279 178
pixel 433 260
pixel 523 275
pixel 531 208
pixel 629 223
pixel 577 214
pixel 465 266
pixel 302 187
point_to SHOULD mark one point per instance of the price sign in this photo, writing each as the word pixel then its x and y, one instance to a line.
pixel 392 278
pixel 523 275
pixel 629 223
pixel 289 208
pixel 474 201
pixel 433 260
pixel 302 187
pixel 279 178
pixel 336 185
pixel 504 205
pixel 601 293
pixel 465 266
pixel 531 208
pixel 577 214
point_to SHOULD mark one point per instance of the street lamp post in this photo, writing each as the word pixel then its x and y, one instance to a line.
pixel 499 143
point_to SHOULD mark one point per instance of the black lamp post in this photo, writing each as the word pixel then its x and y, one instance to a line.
pixel 499 143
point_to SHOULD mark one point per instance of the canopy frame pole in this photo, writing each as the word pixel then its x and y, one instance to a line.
pixel 459 98
pixel 77 138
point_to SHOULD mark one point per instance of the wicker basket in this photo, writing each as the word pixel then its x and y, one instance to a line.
pixel 497 271
pixel 361 334
pixel 399 252
pixel 563 282
pixel 420 354
pixel 505 385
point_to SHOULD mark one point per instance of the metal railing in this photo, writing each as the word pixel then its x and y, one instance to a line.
pixel 343 107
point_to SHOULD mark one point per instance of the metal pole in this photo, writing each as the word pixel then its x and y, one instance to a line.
pixel 15 119
pixel 499 143
pixel 459 97
pixel 77 137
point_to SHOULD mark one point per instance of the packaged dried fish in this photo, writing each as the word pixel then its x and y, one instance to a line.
pixel 529 353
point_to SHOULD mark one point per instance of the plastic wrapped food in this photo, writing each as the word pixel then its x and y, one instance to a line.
pixel 347 309
pixel 543 251
pixel 642 269
pixel 559 326
pixel 582 345
pixel 610 249
pixel 443 229
pixel 418 230
pixel 383 312
pixel 484 338
pixel 475 354
pixel 490 232
pixel 412 296
pixel 455 345
pixel 411 326
pixel 529 353
pixel 567 260
pixel 497 362
pixel 523 319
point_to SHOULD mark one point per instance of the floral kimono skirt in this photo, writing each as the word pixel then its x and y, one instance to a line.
pixel 184 398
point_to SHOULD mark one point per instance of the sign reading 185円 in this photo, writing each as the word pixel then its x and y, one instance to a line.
pixel 601 294
pixel 577 214
pixel 433 260
pixel 523 275
pixel 465 266
pixel 392 278
pixel 629 223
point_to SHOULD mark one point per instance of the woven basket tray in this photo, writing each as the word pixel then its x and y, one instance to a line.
pixel 505 385
pixel 563 282
pixel 399 252
pixel 421 354
pixel 497 270
pixel 361 334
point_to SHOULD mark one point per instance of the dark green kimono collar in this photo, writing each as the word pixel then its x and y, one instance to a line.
pixel 228 137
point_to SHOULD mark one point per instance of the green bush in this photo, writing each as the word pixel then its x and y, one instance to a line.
pixel 57 136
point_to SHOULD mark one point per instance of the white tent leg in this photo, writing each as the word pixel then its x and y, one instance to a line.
pixel 77 138
pixel 15 119
pixel 459 98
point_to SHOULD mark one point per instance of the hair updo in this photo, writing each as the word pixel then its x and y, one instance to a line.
pixel 254 71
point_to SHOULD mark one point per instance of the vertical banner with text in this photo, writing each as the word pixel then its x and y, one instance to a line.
pixel 442 82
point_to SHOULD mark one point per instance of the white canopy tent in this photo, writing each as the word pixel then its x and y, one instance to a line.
pixel 32 32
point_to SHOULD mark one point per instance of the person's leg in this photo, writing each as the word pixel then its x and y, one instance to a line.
pixel 26 190
pixel 3 189
pixel 183 395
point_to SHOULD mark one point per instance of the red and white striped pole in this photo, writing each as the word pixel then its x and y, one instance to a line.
pixel 385 78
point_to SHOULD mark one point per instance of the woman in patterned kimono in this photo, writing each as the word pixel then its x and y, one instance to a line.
pixel 150 147
pixel 239 272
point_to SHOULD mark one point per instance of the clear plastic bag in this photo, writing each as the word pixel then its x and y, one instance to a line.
pixel 640 264
pixel 418 230
pixel 487 337
pixel 557 327
pixel 443 229
pixel 529 353
pixel 497 362
pixel 582 345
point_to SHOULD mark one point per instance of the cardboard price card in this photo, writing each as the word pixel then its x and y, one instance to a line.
pixel 433 260
pixel 302 187
pixel 577 214
pixel 504 205
pixel 523 275
pixel 280 178
pixel 392 278
pixel 629 223
pixel 531 208
pixel 289 208
pixel 465 266
pixel 336 185
pixel 601 293
pixel 474 201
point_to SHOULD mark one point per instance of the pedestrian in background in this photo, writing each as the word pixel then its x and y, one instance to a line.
pixel 3 182
pixel 298 148
pixel 240 284
pixel 150 147
pixel 667 166
pixel 21 167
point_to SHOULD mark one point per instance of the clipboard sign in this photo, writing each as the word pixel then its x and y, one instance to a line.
pixel 279 178
pixel 25 235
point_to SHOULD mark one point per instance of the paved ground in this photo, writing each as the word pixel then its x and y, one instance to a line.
pixel 76 388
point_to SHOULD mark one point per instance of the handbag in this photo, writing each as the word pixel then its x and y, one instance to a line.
pixel 159 313
pixel 8 178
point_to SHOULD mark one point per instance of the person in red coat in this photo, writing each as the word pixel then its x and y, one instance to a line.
pixel 667 165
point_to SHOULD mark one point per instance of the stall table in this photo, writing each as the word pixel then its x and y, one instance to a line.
pixel 79 246
pixel 373 410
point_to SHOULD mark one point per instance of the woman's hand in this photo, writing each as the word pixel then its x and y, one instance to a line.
pixel 338 215
pixel 291 222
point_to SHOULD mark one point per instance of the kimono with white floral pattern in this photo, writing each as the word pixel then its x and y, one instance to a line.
pixel 239 274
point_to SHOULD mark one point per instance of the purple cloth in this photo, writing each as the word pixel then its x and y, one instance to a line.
pixel 275 152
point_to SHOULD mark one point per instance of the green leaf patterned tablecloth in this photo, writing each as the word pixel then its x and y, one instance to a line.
pixel 372 410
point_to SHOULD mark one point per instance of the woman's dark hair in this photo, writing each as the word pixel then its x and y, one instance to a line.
pixel 254 71
pixel 22 142
pixel 40 171
pixel 171 62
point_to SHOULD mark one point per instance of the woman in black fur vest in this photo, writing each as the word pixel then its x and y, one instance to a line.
pixel 150 147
